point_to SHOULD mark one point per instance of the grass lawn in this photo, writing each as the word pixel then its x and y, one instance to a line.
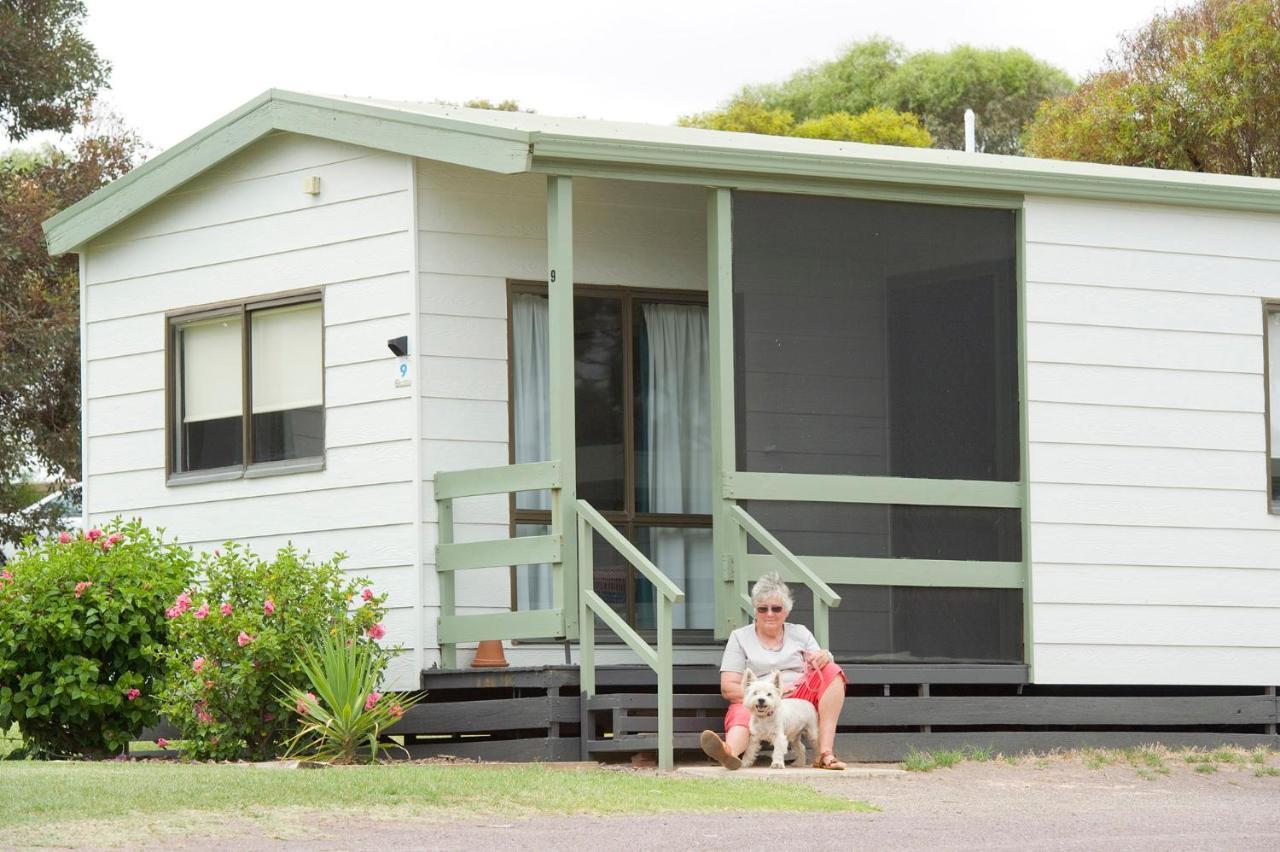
pixel 72 802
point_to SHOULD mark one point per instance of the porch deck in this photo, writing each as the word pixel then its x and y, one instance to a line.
pixel 539 713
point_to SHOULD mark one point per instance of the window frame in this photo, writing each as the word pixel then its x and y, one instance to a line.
pixel 246 469
pixel 627 520
pixel 1269 307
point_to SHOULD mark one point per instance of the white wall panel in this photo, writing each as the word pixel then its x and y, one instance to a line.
pixel 1174 467
pixel 1145 506
pixel 1121 307
pixel 245 230
pixel 1153 551
pixel 1154 664
pixel 464 296
pixel 1144 427
pixel 131 412
pixel 292 270
pixel 1159 585
pixel 1131 268
pixel 361 299
pixel 1153 228
pixel 201 204
pixel 1133 347
pixel 363 464
pixel 1145 388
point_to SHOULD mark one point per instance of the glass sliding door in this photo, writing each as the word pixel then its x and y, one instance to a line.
pixel 643 438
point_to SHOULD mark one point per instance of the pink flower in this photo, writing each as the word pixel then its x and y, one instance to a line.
pixel 5 575
pixel 132 694
pixel 182 603
pixel 226 609
pixel 105 544
pixel 208 684
pixel 376 630
pixel 64 538
pixel 81 586
pixel 202 612
pixel 162 742
pixel 366 595
pixel 304 704
pixel 115 538
pixel 269 607
pixel 172 612
pixel 268 717
pixel 197 664
pixel 244 638
pixel 396 711
pixel 372 700
pixel 93 534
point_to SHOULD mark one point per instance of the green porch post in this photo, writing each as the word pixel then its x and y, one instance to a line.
pixel 563 443
pixel 725 535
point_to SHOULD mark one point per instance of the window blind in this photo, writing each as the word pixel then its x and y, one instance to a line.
pixel 288 371
pixel 211 369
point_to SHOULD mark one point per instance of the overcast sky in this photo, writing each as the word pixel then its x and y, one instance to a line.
pixel 179 65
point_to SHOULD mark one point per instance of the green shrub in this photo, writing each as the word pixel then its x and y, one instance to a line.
pixel 342 719
pixel 237 638
pixel 81 626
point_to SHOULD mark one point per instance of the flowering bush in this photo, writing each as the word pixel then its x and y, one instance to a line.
pixel 238 636
pixel 342 719
pixel 81 626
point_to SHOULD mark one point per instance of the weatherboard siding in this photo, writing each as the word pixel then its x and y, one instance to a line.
pixel 243 229
pixel 1154 557
pixel 476 231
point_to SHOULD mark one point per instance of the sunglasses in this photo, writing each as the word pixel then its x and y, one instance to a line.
pixel 776 608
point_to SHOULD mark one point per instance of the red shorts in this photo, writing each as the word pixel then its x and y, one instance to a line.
pixel 810 687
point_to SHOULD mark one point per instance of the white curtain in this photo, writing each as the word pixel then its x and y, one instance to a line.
pixel 678 439
pixel 531 397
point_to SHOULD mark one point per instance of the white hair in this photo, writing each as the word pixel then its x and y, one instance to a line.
pixel 771 586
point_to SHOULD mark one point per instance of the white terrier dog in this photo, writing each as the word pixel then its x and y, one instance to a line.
pixel 776 719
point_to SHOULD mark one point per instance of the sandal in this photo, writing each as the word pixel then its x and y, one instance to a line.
pixel 714 748
pixel 828 760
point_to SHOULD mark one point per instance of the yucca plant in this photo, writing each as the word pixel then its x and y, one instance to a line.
pixel 343 718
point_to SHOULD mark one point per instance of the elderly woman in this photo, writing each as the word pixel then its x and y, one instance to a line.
pixel 807 672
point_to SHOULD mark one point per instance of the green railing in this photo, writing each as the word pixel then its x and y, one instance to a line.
pixel 824 597
pixel 669 594
pixel 452 557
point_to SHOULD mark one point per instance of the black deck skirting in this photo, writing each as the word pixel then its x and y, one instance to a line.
pixel 538 714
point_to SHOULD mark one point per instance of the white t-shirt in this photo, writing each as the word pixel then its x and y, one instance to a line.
pixel 744 651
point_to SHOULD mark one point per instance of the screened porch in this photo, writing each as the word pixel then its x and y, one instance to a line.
pixel 841 405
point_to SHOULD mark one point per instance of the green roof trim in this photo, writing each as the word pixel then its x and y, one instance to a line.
pixel 510 143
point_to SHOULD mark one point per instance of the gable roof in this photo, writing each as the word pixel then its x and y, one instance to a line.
pixel 512 142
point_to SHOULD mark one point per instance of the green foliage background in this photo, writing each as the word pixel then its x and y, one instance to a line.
pixel 1195 89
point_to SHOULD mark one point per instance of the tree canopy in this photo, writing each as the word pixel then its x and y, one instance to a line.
pixel 1195 89
pixel 39 308
pixel 1003 87
pixel 877 126
pixel 49 72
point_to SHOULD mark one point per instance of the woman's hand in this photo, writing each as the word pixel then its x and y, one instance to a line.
pixel 816 659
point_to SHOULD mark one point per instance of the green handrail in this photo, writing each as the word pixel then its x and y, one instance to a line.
pixel 823 595
pixel 669 594
pixel 452 557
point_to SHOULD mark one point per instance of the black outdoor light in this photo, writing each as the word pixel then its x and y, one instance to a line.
pixel 399 346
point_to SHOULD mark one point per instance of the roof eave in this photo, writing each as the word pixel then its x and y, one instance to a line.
pixel 986 174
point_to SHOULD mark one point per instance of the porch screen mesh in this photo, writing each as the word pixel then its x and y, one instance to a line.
pixel 875 338
pixel 880 339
